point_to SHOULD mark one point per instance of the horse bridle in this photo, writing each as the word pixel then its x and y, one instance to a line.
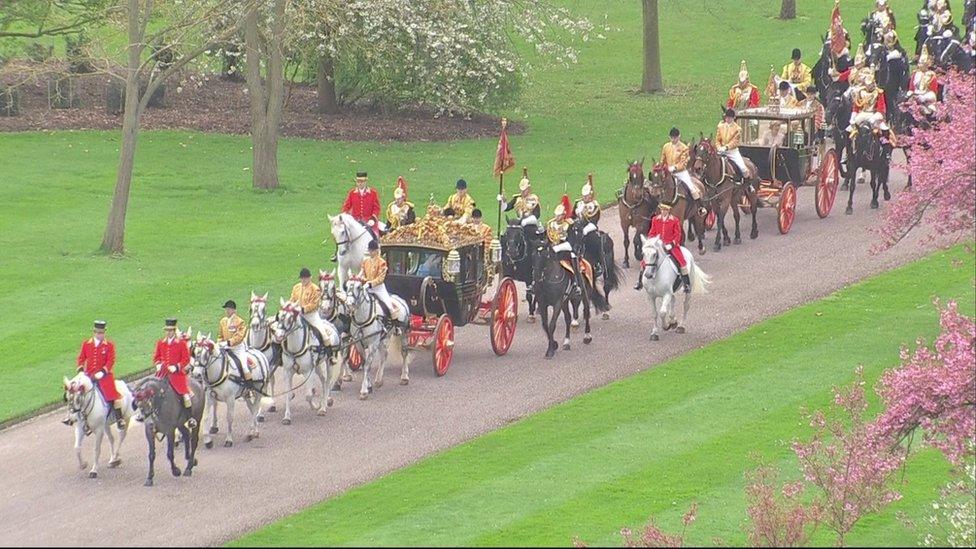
pixel 89 401
pixel 525 249
pixel 296 324
pixel 347 241
pixel 357 299
pixel 674 198
pixel 263 322
pixel 631 183
pixel 211 358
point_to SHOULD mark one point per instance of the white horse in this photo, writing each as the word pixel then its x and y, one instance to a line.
pixel 299 355
pixel 92 415
pixel 374 336
pixel 332 309
pixel 660 275
pixel 352 239
pixel 259 339
pixel 218 373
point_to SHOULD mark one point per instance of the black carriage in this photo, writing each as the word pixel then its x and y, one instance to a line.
pixel 783 145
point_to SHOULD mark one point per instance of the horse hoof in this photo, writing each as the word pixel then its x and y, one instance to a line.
pixel 249 438
pixel 272 409
pixel 149 482
pixel 587 339
pixel 329 402
pixel 737 240
pixel 188 472
pixel 363 396
pixel 566 347
pixel 549 355
pixel 260 419
pixel 228 443
pixel 347 377
pixel 874 205
pixel 286 421
pixel 321 412
pixel 83 466
pixel 753 236
pixel 667 327
pixel 655 337
pixel 887 196
pixel 208 444
pixel 404 382
pixel 716 248
pixel 214 430
pixel 337 387
pixel 606 316
pixel 176 471
pixel 114 463
pixel 378 384
pixel 93 474
pixel 849 210
pixel 530 319
pixel 574 325
pixel 679 330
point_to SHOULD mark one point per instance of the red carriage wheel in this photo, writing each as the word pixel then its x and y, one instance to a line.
pixel 504 316
pixel 443 345
pixel 786 208
pixel 355 359
pixel 827 186
pixel 710 220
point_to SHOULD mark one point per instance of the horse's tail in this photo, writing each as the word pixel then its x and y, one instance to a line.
pixel 611 272
pixel 699 280
pixel 599 301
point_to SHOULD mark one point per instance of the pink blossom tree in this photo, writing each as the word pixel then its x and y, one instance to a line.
pixel 847 462
pixel 942 168
pixel 777 517
pixel 934 389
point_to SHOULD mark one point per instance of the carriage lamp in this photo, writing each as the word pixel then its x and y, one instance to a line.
pixel 452 265
pixel 496 250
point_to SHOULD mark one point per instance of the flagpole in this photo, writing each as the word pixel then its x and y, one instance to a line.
pixel 501 190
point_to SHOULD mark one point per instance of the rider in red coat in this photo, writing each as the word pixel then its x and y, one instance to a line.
pixel 171 359
pixel 363 203
pixel 668 228
pixel 97 360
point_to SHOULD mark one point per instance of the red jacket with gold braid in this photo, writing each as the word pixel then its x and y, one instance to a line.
pixel 93 359
pixel 363 206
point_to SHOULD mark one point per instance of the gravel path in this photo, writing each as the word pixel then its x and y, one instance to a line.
pixel 46 500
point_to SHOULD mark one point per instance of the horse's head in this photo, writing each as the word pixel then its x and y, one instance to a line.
pixel 635 173
pixel 204 351
pixel 286 321
pixel 834 99
pixel 328 300
pixel 653 253
pixel 146 399
pixel 514 245
pixel 866 141
pixel 659 180
pixel 339 228
pixel 76 391
pixel 703 154
pixel 356 293
pixel 259 315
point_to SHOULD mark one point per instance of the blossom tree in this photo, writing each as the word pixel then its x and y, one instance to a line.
pixel 942 168
pixel 777 517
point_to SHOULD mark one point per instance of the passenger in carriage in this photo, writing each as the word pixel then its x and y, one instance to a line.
pixel 775 134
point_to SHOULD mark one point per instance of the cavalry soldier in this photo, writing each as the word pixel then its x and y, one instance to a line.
pixel 460 202
pixel 924 84
pixel 308 296
pixel 231 333
pixel 587 208
pixel 882 17
pixel 97 360
pixel 373 272
pixel 557 231
pixel 400 212
pixel 525 203
pixel 675 156
pixel 727 136
pixel 868 106
pixel 796 72
pixel 668 228
pixel 171 359
pixel 363 203
pixel 744 94
pixel 856 74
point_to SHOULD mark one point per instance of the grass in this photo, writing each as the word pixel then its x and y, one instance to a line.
pixel 197 234
pixel 654 443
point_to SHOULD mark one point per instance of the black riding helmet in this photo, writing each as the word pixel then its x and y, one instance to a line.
pixel 796 54
pixel 675 132
pixel 373 245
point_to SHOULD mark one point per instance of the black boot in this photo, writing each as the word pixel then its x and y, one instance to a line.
pixel 120 419
pixel 686 282
pixel 640 280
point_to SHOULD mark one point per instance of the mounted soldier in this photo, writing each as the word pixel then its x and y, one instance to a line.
pixel 231 334
pixel 525 204
pixel 557 231
pixel 97 360
pixel 309 296
pixel 880 21
pixel 400 212
pixel 668 228
pixel 868 106
pixel 744 94
pixel 675 155
pixel 924 87
pixel 587 208
pixel 172 359
pixel 858 72
pixel 460 203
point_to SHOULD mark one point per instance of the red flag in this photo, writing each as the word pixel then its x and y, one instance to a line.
pixel 504 160
pixel 838 40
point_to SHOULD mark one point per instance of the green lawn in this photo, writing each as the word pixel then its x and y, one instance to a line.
pixel 654 443
pixel 197 234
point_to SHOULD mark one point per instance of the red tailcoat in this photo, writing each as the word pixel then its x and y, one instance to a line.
pixel 94 359
pixel 364 206
pixel 669 231
pixel 176 354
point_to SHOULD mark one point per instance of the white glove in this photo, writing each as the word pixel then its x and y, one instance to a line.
pixel 721 149
pixel 909 93
pixel 501 199
pixel 368 285
pixel 671 169
pixel 371 223
pixel 668 247
pixel 159 366
pixel 99 375
pixel 172 369
pixel 225 343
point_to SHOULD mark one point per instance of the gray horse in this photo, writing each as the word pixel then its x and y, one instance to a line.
pixel 162 411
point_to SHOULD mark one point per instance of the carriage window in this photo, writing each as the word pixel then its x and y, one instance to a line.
pixel 764 133
pixel 430 264
pixel 414 262
pixel 400 261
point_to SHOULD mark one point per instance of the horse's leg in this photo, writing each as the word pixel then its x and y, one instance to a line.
pixel 187 450
pixel 322 373
pixel 366 387
pixel 289 375
pixel 875 188
pixel 885 174
pixel 404 356
pixel 151 440
pixel 719 226
pixel 625 228
pixel 210 411
pixel 99 434
pixel 112 448
pixel 684 312
pixel 851 173
pixel 587 336
pixel 753 208
pixel 723 210
pixel 384 353
pixel 575 309
pixel 171 454
pixel 567 307
pixel 654 317
pixel 549 326
pixel 79 437
pixel 230 405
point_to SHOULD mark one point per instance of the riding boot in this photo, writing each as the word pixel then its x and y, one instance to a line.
pixel 686 282
pixel 120 416
pixel 640 280
pixel 187 401
pixel 577 273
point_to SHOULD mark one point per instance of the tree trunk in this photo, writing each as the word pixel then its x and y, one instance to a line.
pixel 325 77
pixel 788 10
pixel 652 49
pixel 267 96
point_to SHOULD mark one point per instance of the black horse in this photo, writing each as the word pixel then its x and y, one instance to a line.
pixel 597 248
pixel 519 247
pixel 821 69
pixel 162 411
pixel 837 115
pixel 556 290
pixel 871 154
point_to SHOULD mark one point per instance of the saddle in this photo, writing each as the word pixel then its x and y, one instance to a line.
pixel 585 268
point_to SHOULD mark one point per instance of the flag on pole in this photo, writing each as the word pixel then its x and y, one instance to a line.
pixel 838 40
pixel 772 83
pixel 504 160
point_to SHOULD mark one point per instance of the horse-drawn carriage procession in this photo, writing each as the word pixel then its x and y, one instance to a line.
pixel 405 282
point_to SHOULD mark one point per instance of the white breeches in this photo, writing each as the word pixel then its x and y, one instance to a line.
pixel 240 352
pixel 685 178
pixel 736 158
pixel 866 117
pixel 562 247
pixel 380 293
pixel 529 220
pixel 589 228
pixel 314 320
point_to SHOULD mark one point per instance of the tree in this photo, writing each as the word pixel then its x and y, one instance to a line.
pixel 180 40
pixel 652 49
pixel 788 10
pixel 777 518
pixel 264 43
pixel 37 18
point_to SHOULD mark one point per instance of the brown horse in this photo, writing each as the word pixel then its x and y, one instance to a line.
pixel 723 190
pixel 636 208
pixel 665 188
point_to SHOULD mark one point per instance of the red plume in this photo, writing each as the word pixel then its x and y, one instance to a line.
pixel 567 206
pixel 401 183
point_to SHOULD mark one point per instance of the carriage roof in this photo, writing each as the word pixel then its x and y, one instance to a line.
pixel 775 112
pixel 433 232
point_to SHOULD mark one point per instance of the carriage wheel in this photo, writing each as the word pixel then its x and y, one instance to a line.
pixel 355 359
pixel 827 186
pixel 710 220
pixel 786 208
pixel 443 345
pixel 504 316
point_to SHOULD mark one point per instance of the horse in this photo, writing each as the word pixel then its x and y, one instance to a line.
pixel 893 77
pixel 837 114
pixel 665 188
pixel 723 190
pixel 662 273
pixel 556 289
pixel 214 368
pixel 636 208
pixel 519 245
pixel 259 339
pixel 332 309
pixel 162 412
pixel 375 333
pixel 598 249
pixel 352 239
pixel 300 355
pixel 92 415
pixel 821 69
pixel 869 154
